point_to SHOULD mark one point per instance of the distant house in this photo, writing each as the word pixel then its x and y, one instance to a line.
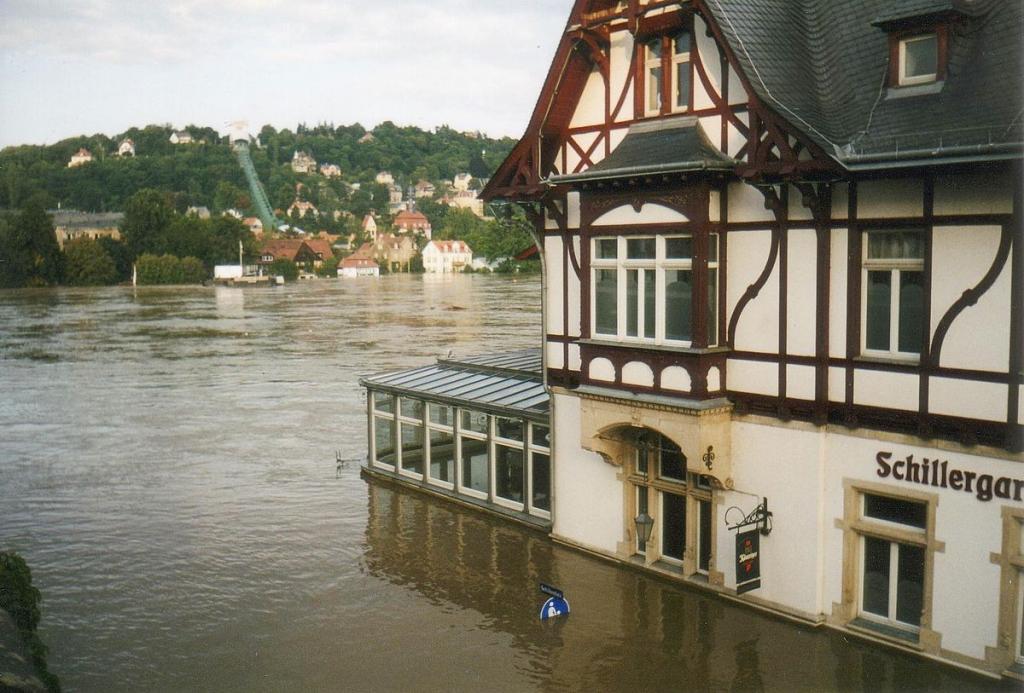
pixel 254 224
pixel 461 181
pixel 385 178
pixel 413 222
pixel 126 148
pixel 303 208
pixel 201 212
pixel 424 189
pixel 80 158
pixel 181 137
pixel 395 195
pixel 396 252
pixel 369 225
pixel 360 263
pixel 321 248
pixel 330 171
pixel 293 249
pixel 446 257
pixel 467 199
pixel 367 138
pixel 303 163
pixel 70 224
pixel 233 213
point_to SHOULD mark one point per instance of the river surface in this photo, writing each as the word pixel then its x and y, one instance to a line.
pixel 167 468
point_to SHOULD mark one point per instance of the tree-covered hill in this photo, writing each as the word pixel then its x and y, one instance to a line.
pixel 207 173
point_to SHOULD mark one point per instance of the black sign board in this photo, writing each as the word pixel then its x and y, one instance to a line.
pixel 748 561
pixel 551 591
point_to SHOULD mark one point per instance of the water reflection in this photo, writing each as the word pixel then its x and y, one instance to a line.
pixel 627 631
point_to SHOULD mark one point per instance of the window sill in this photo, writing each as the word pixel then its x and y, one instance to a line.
pixel 645 346
pixel 892 359
pixel 891 633
pixel 903 91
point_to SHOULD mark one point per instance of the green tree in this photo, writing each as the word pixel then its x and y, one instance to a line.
pixel 88 264
pixel 329 268
pixel 32 257
pixel 193 271
pixel 147 218
pixel 118 252
pixel 20 599
pixel 285 268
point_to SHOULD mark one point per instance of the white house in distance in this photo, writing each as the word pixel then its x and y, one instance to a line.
pixel 784 339
pixel 126 148
pixel 181 137
pixel 302 162
pixel 360 263
pixel 446 257
pixel 461 181
pixel 385 178
pixel 330 171
pixel 80 158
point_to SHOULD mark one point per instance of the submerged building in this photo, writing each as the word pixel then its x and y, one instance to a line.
pixel 784 315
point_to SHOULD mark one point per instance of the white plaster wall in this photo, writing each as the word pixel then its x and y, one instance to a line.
pixel 590 110
pixel 889 390
pixel 839 240
pixel 572 212
pixel 601 369
pixel 980 337
pixel 755 377
pixel 621 53
pixel 676 378
pixel 801 329
pixel 884 199
pixel 616 136
pixel 648 214
pixel 707 48
pixel 966 584
pixel 737 93
pixel 786 467
pixel 747 204
pixel 758 326
pixel 575 361
pixel 841 201
pixel 797 210
pixel 968 399
pixel 736 139
pixel 714 379
pixel 572 159
pixel 553 249
pixel 574 292
pixel 638 373
pixel 800 382
pixel 712 126
pixel 973 194
pixel 588 498
pixel 714 205
pixel 837 384
pixel 555 355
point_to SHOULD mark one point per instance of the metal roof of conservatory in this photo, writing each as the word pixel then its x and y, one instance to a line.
pixel 510 383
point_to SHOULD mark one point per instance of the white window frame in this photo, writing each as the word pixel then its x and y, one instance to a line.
pixel 876 528
pixel 401 420
pixel 535 447
pixel 650 64
pixel 450 430
pixel 461 433
pixel 906 80
pixel 660 265
pixel 374 415
pixel 510 443
pixel 895 266
pixel 677 59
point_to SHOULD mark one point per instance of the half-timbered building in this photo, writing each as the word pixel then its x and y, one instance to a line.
pixel 784 274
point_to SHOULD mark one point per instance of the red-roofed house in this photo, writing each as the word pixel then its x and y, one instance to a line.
pixel 293 249
pixel 360 263
pixel 413 222
pixel 80 158
pixel 444 257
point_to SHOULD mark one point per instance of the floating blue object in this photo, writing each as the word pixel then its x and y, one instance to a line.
pixel 554 607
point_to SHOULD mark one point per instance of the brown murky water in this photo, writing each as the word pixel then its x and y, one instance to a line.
pixel 167 466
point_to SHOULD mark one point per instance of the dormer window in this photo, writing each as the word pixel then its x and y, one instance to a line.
pixel 918 59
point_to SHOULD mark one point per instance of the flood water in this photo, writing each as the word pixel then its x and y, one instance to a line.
pixel 167 467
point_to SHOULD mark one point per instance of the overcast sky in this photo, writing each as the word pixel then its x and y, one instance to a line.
pixel 70 67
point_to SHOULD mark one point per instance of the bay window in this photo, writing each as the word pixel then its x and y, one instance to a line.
pixel 643 289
